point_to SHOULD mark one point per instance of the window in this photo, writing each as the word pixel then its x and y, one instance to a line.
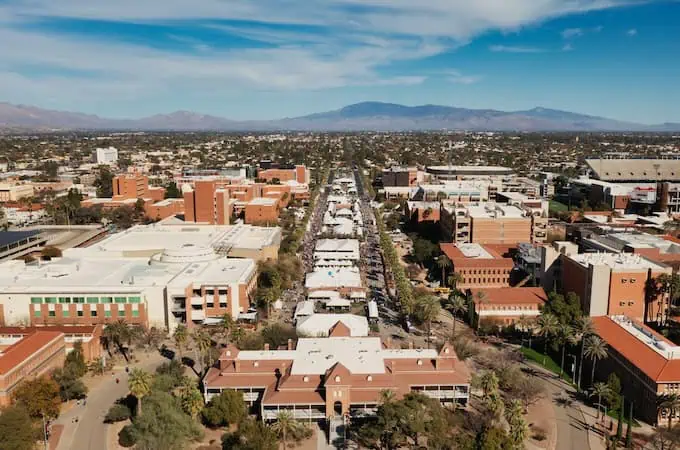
pixel 120 299
pixel 107 313
pixel 632 280
pixel 78 299
pixel 223 305
pixel 624 280
pixel 121 313
pixel 622 303
pixel 52 314
pixel 81 314
pixel 210 305
pixel 36 300
pixel 134 300
pixel 92 299
pixel 107 300
pixel 65 313
pixel 64 299
pixel 93 313
pixel 135 313
pixel 37 313
pixel 50 299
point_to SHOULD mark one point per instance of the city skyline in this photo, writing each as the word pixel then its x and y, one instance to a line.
pixel 257 60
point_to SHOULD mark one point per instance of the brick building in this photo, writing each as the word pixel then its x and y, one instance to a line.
pixel 89 336
pixel 505 306
pixel 479 266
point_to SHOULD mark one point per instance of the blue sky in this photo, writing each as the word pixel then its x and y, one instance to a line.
pixel 262 59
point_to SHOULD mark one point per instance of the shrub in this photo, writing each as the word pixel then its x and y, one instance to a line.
pixel 539 434
pixel 117 413
pixel 225 409
pixel 126 437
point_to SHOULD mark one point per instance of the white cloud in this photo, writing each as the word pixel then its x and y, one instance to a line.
pixel 632 32
pixel 457 77
pixel 515 49
pixel 567 47
pixel 570 33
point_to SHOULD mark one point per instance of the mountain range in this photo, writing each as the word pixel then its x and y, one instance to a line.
pixel 366 116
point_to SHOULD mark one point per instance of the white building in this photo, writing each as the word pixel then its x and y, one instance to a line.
pixel 106 155
pixel 318 325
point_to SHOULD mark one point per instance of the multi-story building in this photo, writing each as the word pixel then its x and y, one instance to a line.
pixel 32 356
pixel 418 212
pixel 614 284
pixel 469 191
pixel 15 244
pixel 321 378
pixel 400 176
pixel 297 173
pixel 478 266
pixel 505 306
pixel 469 172
pixel 89 337
pixel 647 364
pixel 106 155
pixel 12 192
pixel 492 223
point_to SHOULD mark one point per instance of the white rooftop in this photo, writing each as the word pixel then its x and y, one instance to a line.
pixel 643 334
pixel 318 325
pixel 337 245
pixel 493 210
pixel 333 278
pixel 263 201
pixel 616 261
pixel 474 251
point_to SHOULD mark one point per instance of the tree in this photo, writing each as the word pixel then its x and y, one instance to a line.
pixel 386 396
pixel 277 335
pixel 227 326
pixel 599 390
pixel 203 344
pixel 565 336
pixel 285 426
pixel 119 334
pixel 172 191
pixel 139 383
pixel 457 304
pixel 192 402
pixel 567 309
pixel 619 425
pixel 118 412
pixel 225 409
pixel 583 329
pixel 75 360
pixel 40 397
pixel 528 391
pixel 70 386
pixel 251 435
pixel 629 428
pixel 17 429
pixel 595 350
pixel 163 425
pixel 180 336
pixel 454 279
pixel 488 382
pixel 670 404
pixel 428 309
pixel 51 251
pixel 104 182
pixel 518 427
pixel 444 263
pixel 525 325
pixel 494 438
pixel 547 327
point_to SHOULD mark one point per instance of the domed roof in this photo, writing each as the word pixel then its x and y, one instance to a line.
pixel 187 253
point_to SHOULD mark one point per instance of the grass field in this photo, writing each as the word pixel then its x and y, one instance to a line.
pixel 557 206
pixel 550 364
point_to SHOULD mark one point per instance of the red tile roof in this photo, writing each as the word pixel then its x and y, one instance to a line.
pixel 459 260
pixel 25 348
pixel 511 295
pixel 66 329
pixel 639 354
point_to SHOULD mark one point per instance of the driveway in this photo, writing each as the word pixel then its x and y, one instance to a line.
pixel 89 433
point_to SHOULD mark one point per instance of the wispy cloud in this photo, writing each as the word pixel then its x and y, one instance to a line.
pixel 515 49
pixel 567 47
pixel 570 33
pixel 632 32
pixel 457 77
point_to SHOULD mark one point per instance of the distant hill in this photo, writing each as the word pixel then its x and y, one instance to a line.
pixel 360 116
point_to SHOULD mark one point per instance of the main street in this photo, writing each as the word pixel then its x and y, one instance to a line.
pixel 90 432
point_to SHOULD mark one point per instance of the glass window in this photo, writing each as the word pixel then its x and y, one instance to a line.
pixel 81 314
pixel 134 300
pixel 120 299
pixel 64 299
pixel 50 299
pixel 107 313
pixel 65 313
pixel 135 313
pixel 107 300
pixel 37 313
pixel 78 299
pixel 93 313
pixel 35 300
pixel 121 313
pixel 92 299
pixel 52 313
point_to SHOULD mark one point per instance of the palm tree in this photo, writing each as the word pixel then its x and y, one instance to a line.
pixel 565 336
pixel 285 425
pixel 547 326
pixel 599 390
pixel 488 382
pixel 429 308
pixel 386 396
pixel 525 324
pixel 203 345
pixel 227 325
pixel 669 403
pixel 583 328
pixel 596 349
pixel 180 336
pixel 518 427
pixel 454 279
pixel 118 333
pixel 457 304
pixel 237 335
pixel 139 384
pixel 443 262
pixel 192 402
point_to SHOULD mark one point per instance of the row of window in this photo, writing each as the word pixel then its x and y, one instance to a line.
pixel 485 272
pixel 91 300
pixel 484 280
pixel 93 313
pixel 511 308
pixel 625 280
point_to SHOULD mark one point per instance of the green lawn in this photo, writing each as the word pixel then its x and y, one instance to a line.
pixel 557 206
pixel 615 415
pixel 537 357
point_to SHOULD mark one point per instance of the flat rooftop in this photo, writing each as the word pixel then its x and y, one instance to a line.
pixel 616 261
pixel 470 169
pixel 494 211
pixel 474 251
pixel 337 245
